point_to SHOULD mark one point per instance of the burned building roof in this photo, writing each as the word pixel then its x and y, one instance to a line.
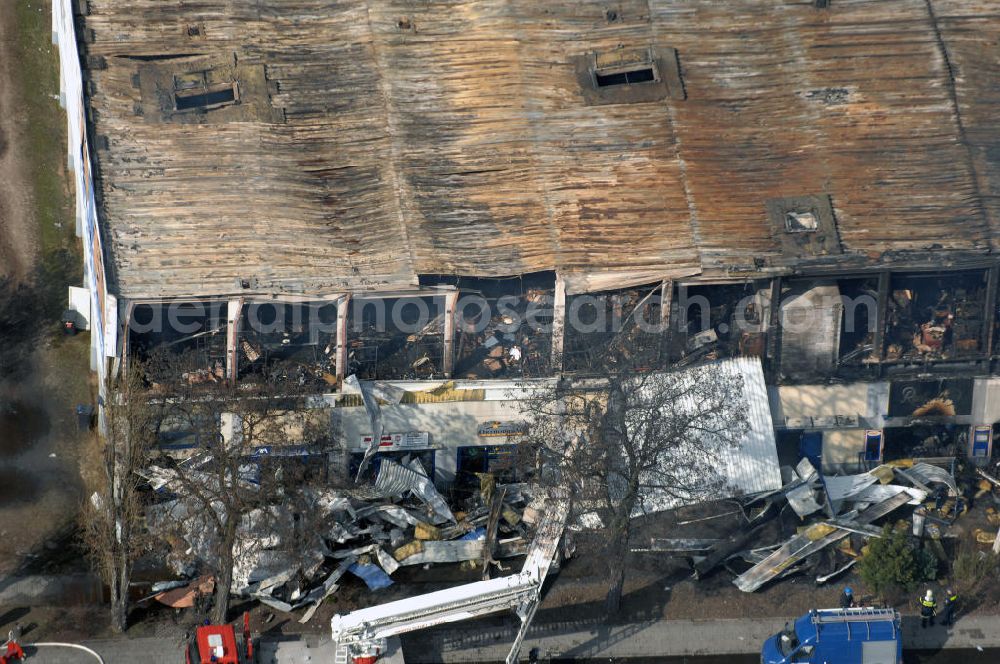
pixel 322 147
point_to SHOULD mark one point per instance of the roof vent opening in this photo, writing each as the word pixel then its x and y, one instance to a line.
pixel 628 77
pixel 801 221
pixel 203 90
pixel 805 226
pixel 211 99
pixel 624 67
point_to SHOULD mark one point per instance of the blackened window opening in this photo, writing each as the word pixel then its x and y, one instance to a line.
pixel 643 75
pixel 205 99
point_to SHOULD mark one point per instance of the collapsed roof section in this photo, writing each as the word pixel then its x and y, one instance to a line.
pixel 295 146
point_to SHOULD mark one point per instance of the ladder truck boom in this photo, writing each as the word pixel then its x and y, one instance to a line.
pixel 443 606
pixel 363 632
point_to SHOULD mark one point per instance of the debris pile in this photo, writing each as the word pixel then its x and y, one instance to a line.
pixel 734 324
pixel 929 323
pixel 381 347
pixel 512 342
pixel 291 560
pixel 835 516
pixel 627 321
pixel 292 343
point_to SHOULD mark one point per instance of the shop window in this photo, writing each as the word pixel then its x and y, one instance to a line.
pixel 496 459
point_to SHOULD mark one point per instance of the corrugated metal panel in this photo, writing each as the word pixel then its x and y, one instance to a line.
pixel 748 468
pixel 753 467
pixel 394 479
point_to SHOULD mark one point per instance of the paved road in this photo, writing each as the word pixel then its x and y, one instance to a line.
pixel 158 650
pixel 120 651
pixel 661 638
pixel 676 638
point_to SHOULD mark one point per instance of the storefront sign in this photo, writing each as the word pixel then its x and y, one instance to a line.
pixel 400 441
pixel 496 428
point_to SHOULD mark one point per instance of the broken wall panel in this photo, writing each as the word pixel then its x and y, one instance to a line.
pixel 810 318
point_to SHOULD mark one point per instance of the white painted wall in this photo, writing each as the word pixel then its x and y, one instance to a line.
pixel 103 309
pixel 450 425
pixel 841 448
pixel 866 400
pixel 986 400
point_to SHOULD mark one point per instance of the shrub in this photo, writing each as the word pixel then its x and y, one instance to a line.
pixel 892 563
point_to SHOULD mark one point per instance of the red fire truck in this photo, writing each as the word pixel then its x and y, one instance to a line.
pixel 219 644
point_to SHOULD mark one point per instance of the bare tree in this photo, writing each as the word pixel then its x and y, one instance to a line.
pixel 633 442
pixel 226 488
pixel 112 517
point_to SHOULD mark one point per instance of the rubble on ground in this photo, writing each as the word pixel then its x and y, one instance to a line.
pixel 835 517
pixel 369 532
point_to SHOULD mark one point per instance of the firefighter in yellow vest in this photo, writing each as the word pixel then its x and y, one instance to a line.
pixel 928 608
pixel 950 600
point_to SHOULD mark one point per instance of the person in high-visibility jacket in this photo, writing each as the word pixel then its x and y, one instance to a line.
pixel 928 608
pixel 950 600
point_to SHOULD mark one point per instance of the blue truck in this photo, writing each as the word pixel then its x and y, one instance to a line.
pixel 838 636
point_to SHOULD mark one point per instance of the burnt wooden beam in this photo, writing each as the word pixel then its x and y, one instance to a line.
pixel 773 327
pixel 342 306
pixel 666 300
pixel 234 311
pixel 878 341
pixel 990 310
pixel 450 302
pixel 558 324
pixel 129 310
pixel 666 333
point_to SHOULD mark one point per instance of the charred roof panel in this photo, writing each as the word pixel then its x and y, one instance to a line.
pixel 851 102
pixel 970 37
pixel 366 142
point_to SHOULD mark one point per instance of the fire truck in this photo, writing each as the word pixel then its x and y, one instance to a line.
pixel 220 644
